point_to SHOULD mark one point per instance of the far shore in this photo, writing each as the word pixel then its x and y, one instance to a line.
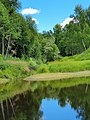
pixel 57 76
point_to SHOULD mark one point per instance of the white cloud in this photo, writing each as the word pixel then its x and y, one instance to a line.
pixel 66 21
pixel 30 11
pixel 36 21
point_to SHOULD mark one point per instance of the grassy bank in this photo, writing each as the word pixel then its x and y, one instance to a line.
pixel 75 63
pixel 13 69
pixel 64 66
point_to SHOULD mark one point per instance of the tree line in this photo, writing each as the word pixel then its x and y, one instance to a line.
pixel 19 36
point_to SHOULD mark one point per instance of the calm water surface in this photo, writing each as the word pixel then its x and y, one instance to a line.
pixel 54 100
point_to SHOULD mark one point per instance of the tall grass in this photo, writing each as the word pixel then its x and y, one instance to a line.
pixel 65 66
pixel 75 63
pixel 69 66
pixel 79 57
pixel 12 69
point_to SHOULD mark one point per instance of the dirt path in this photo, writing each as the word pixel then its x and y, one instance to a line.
pixel 57 76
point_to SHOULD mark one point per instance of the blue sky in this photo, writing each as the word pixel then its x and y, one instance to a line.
pixel 50 12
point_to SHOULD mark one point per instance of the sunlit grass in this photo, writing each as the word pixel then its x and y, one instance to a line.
pixel 3 81
pixel 69 66
pixel 57 76
pixel 13 68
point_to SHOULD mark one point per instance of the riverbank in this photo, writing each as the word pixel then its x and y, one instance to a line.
pixel 13 69
pixel 57 76
pixel 67 67
pixel 76 63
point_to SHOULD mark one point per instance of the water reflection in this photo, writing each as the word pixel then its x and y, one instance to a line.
pixel 52 111
pixel 26 106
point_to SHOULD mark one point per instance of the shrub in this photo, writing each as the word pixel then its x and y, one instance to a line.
pixel 43 69
pixel 32 64
pixel 4 66
pixel 1 74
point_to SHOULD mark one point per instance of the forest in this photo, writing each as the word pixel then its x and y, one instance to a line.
pixel 19 36
pixel 20 40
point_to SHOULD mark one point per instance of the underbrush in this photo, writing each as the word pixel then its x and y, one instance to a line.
pixel 79 57
pixel 12 71
pixel 13 68
pixel 74 63
pixel 65 66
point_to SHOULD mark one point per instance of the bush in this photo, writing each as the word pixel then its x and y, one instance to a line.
pixel 32 64
pixel 43 69
pixel 4 66
pixel 12 71
pixel 1 74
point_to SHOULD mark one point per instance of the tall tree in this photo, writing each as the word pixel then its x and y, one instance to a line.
pixel 11 5
pixel 4 25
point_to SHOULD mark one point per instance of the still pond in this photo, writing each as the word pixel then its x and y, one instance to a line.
pixel 51 100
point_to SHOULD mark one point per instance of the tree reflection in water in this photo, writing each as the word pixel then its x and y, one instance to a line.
pixel 26 106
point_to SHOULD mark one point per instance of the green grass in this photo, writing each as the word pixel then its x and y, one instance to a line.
pixel 69 66
pixel 64 66
pixel 79 57
pixel 83 56
pixel 13 69
pixel 3 81
pixel 75 63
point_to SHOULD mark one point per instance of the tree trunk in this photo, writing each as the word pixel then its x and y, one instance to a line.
pixel 3 45
pixel 83 44
pixel 8 47
pixel 2 108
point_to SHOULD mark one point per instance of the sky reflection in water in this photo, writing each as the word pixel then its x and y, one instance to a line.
pixel 53 111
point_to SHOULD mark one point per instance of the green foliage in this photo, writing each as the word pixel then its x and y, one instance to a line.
pixel 74 38
pixel 4 66
pixel 11 5
pixel 4 17
pixel 19 38
pixel 32 64
pixel 83 56
pixel 1 57
pixel 79 57
pixel 12 71
pixel 79 62
pixel 43 69
pixel 69 66
pixel 50 51
pixel 1 74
